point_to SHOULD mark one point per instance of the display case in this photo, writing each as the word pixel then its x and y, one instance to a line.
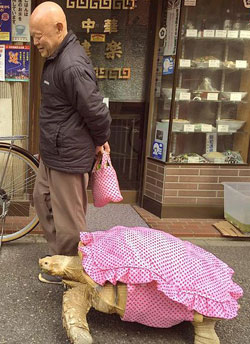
pixel 202 96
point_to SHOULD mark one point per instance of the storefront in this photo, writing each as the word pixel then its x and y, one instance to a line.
pixel 14 68
pixel 199 119
pixel 175 77
pixel 118 36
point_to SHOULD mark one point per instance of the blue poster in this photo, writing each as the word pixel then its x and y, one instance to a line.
pixel 17 62
pixel 157 151
pixel 168 65
pixel 5 21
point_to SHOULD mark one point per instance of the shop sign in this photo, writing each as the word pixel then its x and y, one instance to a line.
pixel 246 3
pixel 5 21
pixel 170 41
pixel 2 62
pixel 20 20
pixel 17 62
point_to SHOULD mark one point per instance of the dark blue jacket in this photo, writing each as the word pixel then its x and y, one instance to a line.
pixel 73 117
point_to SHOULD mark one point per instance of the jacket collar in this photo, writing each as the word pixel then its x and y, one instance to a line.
pixel 67 39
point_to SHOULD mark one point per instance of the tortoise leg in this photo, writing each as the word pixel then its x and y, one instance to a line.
pixel 76 304
pixel 204 331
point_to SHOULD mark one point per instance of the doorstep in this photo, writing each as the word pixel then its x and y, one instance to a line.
pixel 181 227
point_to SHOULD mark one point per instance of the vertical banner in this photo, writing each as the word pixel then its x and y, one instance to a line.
pixel 172 25
pixel 20 20
pixel 5 21
pixel 2 62
pixel 17 62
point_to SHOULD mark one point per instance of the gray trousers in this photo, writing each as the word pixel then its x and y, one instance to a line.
pixel 60 201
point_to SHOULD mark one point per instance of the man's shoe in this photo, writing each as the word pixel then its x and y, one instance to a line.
pixel 45 278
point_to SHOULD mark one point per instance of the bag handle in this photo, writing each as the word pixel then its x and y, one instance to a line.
pixel 105 157
pixel 102 159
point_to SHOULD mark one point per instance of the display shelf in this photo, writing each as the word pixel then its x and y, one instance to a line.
pixel 227 69
pixel 219 39
pixel 209 132
pixel 211 101
pixel 212 66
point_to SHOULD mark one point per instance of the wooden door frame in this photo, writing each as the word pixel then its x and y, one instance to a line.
pixel 36 65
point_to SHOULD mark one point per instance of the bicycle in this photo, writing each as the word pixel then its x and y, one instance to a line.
pixel 18 170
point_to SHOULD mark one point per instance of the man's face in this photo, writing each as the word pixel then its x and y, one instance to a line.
pixel 46 38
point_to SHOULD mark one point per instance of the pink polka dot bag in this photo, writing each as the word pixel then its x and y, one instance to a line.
pixel 105 186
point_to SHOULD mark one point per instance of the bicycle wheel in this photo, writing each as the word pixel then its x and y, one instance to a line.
pixel 18 170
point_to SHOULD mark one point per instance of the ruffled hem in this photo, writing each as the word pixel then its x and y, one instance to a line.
pixel 193 300
pixel 214 297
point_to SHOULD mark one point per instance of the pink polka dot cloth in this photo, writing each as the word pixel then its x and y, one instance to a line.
pixel 167 278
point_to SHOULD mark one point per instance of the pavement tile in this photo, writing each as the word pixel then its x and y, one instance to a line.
pixel 180 227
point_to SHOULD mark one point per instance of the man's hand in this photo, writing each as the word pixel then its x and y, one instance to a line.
pixel 101 149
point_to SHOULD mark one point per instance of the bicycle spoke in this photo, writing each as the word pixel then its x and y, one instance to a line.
pixel 18 184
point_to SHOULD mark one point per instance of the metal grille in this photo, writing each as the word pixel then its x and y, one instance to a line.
pixel 125 146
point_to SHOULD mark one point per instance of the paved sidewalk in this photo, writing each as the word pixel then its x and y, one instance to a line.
pixel 181 227
pixel 31 311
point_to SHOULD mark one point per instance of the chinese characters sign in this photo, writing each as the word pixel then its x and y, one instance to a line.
pixel 17 61
pixel 113 49
pixel 5 21
pixel 20 20
pixel 114 35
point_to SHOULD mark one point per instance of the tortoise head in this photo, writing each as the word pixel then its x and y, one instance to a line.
pixel 64 266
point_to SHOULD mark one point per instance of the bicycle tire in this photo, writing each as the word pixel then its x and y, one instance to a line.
pixel 18 185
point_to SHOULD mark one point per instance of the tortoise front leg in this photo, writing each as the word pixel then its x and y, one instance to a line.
pixel 204 330
pixel 76 304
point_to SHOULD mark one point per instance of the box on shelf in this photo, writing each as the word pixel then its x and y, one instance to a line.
pixel 237 204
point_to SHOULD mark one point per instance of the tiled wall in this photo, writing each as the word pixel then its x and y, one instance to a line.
pixel 192 185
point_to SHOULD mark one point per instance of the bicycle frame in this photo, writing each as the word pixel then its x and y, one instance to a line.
pixel 3 196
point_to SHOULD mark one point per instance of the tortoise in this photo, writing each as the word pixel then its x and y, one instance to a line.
pixel 111 296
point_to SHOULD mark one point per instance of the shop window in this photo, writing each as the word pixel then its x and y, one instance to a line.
pixel 201 112
pixel 14 68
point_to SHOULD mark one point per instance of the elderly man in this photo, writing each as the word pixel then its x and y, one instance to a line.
pixel 74 126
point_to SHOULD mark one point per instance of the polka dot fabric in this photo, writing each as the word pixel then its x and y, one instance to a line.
pixel 149 306
pixel 105 186
pixel 167 278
